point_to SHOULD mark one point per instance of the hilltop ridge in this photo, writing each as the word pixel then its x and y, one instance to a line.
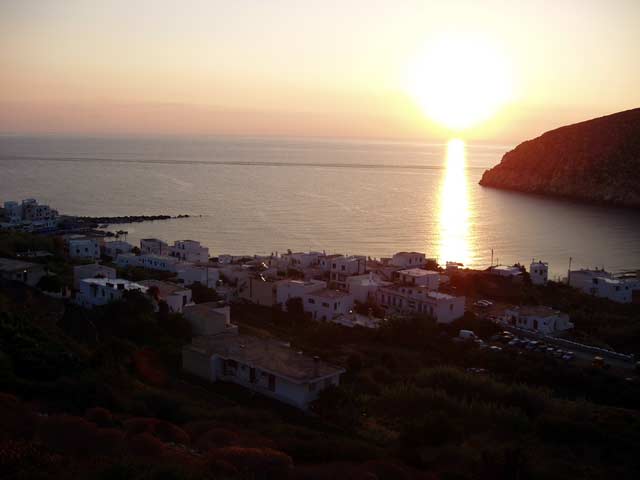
pixel 597 160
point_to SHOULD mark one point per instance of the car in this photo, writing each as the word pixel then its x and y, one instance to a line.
pixel 567 357
pixel 495 349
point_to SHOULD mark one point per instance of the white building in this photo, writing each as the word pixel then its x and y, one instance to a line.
pixel 30 216
pixel 202 274
pixel 189 251
pixel 287 289
pixel 325 261
pixel 116 247
pixel 603 284
pixel 159 262
pixel 408 259
pixel 418 277
pixel 175 296
pixel 209 318
pixel 301 260
pixel 153 246
pixel 364 287
pixel 539 319
pixel 265 366
pixel 505 271
pixel 343 267
pixel 442 307
pixel 83 247
pixel 19 271
pixel 539 273
pixel 100 291
pixel 327 304
pixel 92 270
pixel 125 260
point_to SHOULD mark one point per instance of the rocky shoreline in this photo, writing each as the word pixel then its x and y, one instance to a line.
pixel 126 219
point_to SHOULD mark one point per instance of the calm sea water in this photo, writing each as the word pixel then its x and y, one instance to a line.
pixel 256 195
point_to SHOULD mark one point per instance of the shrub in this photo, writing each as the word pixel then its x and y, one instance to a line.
pixel 100 416
pixel 145 445
pixel 262 463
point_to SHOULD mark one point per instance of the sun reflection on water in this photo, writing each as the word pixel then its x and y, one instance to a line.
pixel 454 207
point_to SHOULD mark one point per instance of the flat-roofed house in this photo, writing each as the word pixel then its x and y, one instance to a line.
pixel 408 259
pixel 209 318
pixel 364 287
pixel 175 296
pixel 100 291
pixel 19 271
pixel 327 304
pixel 92 270
pixel 265 366
pixel 288 289
pixel 442 307
pixel 116 247
pixel 198 273
pixel 189 251
pixel 258 290
pixel 418 277
pixel 538 318
pixel 153 246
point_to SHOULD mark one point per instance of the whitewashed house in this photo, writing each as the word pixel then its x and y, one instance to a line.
pixel 539 273
pixel 125 260
pixel 506 271
pixel 175 296
pixel 153 246
pixel 539 319
pixel 116 247
pixel 265 366
pixel 189 251
pixel 159 262
pixel 327 304
pixel 30 216
pixel 287 289
pixel 408 259
pixel 100 291
pixel 418 277
pixel 603 284
pixel 209 318
pixel 344 267
pixel 202 274
pixel 364 287
pixel 325 261
pixel 81 247
pixel 19 271
pixel 442 307
pixel 301 260
pixel 92 270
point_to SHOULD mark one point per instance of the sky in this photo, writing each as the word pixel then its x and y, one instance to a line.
pixel 311 68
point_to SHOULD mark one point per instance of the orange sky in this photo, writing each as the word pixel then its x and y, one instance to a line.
pixel 332 68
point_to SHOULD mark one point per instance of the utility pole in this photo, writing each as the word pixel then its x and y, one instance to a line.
pixel 569 272
pixel 492 257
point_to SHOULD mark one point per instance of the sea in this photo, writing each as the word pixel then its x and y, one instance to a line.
pixel 268 195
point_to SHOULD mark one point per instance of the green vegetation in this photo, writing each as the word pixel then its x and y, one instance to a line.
pixel 100 394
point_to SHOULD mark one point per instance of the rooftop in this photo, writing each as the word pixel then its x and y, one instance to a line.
pixel 164 288
pixel 537 310
pixel 417 272
pixel 11 265
pixel 266 354
pixel 114 283
pixel 407 253
pixel 328 293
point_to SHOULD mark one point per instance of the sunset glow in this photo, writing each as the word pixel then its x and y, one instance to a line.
pixel 460 81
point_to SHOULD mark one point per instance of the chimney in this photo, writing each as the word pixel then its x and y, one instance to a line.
pixel 316 365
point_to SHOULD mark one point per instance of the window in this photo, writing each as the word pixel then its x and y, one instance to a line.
pixel 312 387
pixel 335 306
pixel 272 382
pixel 451 307
pixel 311 300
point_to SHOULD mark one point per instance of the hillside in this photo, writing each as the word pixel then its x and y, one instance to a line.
pixel 596 161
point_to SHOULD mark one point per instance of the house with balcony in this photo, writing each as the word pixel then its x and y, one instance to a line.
pixel 421 300
pixel 189 251
pixel 364 287
pixel 288 289
pixel 343 267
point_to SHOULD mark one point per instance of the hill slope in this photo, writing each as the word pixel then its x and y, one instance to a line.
pixel 597 160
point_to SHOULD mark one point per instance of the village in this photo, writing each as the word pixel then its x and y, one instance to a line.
pixel 354 291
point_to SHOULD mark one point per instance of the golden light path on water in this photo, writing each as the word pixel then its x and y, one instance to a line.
pixel 454 212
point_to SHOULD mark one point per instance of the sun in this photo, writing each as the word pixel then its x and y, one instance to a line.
pixel 460 81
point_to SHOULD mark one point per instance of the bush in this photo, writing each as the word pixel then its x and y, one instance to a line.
pixel 261 463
